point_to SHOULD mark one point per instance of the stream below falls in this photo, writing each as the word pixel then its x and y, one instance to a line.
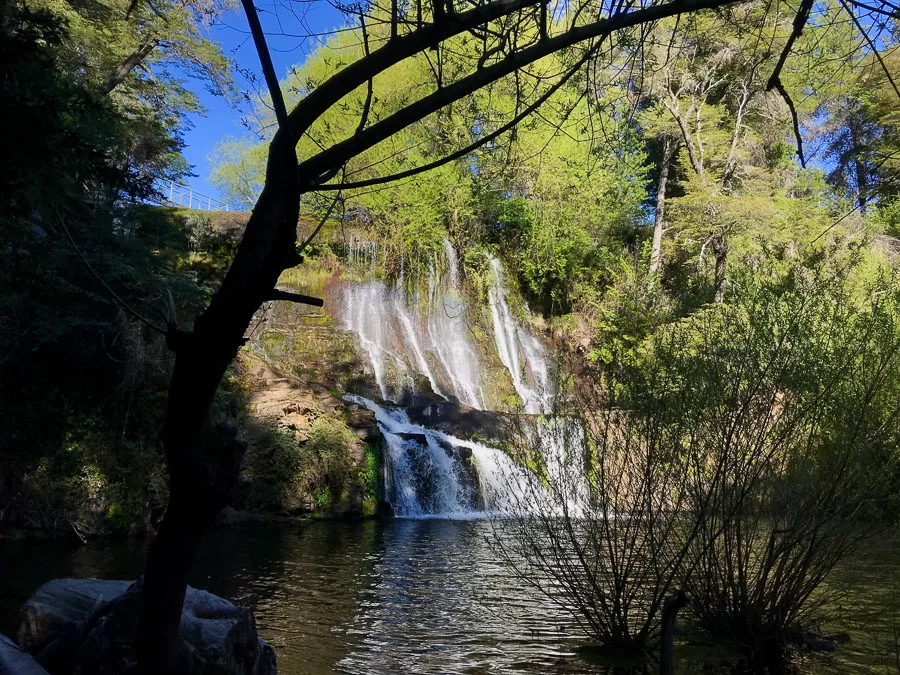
pixel 426 596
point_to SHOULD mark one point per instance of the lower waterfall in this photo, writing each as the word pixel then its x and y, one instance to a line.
pixel 430 473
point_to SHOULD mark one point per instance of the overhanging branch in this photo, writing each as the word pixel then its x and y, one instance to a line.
pixel 339 153
pixel 288 296
pixel 469 148
pixel 265 60
pixel 775 83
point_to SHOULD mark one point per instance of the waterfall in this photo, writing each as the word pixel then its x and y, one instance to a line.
pixel 518 349
pixel 447 331
pixel 425 335
pixel 407 336
pixel 561 439
pixel 431 473
pixel 369 312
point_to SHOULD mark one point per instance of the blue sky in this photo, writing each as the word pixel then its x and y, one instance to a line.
pixel 220 119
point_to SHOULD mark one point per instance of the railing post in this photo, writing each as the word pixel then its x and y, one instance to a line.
pixel 191 199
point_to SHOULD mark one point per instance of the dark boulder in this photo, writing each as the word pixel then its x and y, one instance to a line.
pixel 83 626
pixel 362 422
pixel 421 439
pixel 460 420
pixel 16 661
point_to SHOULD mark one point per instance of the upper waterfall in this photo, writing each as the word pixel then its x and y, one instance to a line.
pixel 518 348
pixel 411 337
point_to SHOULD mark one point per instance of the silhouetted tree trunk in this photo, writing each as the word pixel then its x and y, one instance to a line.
pixel 673 604
pixel 204 462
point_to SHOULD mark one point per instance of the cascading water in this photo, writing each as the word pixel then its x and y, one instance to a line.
pixel 519 350
pixel 407 336
pixel 560 439
pixel 410 338
pixel 430 473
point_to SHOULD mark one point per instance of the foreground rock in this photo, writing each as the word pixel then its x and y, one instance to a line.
pixel 15 661
pixel 83 626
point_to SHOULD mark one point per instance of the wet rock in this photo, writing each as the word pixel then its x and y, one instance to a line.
pixel 16 661
pixel 358 416
pixel 460 420
pixel 421 439
pixel 83 626
pixel 424 393
pixel 362 422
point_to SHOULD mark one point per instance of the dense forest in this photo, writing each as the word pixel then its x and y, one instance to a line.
pixel 671 237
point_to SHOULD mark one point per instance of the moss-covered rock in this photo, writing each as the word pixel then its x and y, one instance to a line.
pixel 308 453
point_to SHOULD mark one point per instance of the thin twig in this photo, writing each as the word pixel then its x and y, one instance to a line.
pixel 312 236
pixel 265 60
pixel 469 148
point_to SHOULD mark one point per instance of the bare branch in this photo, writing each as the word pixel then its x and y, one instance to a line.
pixel 796 120
pixel 469 148
pixel 800 20
pixel 315 232
pixel 265 60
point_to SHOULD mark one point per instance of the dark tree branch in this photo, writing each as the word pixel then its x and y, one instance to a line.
pixel 135 59
pixel 315 232
pixel 800 20
pixel 265 60
pixel 430 36
pixel 775 83
pixel 287 296
pixel 394 19
pixel 469 148
pixel 872 46
pixel 339 153
pixel 794 118
pixel 367 105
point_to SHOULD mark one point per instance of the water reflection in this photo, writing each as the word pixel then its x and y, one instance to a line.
pixel 411 596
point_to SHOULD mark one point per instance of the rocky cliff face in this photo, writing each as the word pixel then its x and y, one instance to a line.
pixel 309 452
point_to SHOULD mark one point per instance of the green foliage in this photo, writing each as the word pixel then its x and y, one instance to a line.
pixel 370 476
pixel 323 498
pixel 887 218
pixel 624 318
pixel 65 134
pixel 287 474
pixel 81 444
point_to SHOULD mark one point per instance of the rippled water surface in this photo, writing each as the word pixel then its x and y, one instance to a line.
pixel 412 596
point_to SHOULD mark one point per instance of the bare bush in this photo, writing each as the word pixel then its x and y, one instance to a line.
pixel 729 461
pixel 776 528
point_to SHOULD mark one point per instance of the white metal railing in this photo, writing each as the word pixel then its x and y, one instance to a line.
pixel 175 194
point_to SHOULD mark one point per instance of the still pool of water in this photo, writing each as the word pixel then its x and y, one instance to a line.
pixel 414 596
